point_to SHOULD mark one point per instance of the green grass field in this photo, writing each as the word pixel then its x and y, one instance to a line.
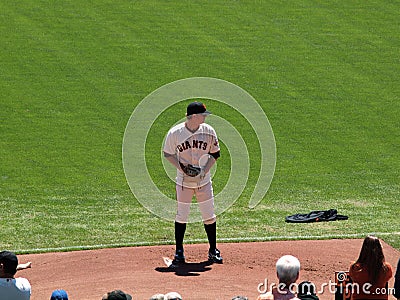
pixel 325 73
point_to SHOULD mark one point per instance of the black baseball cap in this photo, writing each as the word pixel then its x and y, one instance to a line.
pixel 118 295
pixel 306 291
pixel 197 108
pixel 9 261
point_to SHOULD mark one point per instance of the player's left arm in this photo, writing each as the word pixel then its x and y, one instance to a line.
pixel 213 153
pixel 212 158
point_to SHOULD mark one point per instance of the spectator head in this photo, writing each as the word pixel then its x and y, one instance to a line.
pixel 157 297
pixel 371 248
pixel 8 263
pixel 372 258
pixel 116 295
pixel 266 296
pixel 288 269
pixel 59 295
pixel 306 291
pixel 172 296
pixel 240 298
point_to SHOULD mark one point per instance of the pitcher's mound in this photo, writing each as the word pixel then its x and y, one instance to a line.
pixel 248 269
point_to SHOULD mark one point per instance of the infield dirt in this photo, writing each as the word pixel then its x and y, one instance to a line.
pixel 140 271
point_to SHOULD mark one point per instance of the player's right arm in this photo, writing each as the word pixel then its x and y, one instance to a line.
pixel 170 150
pixel 173 159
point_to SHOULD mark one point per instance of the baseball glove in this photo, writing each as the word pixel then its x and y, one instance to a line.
pixel 190 170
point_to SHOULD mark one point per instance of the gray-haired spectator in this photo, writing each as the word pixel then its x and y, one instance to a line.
pixel 172 296
pixel 287 271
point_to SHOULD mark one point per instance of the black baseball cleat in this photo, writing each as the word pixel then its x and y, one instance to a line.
pixel 215 256
pixel 179 258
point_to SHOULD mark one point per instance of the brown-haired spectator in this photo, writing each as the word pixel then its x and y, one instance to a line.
pixel 370 273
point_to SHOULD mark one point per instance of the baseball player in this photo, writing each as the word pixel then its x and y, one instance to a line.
pixel 192 147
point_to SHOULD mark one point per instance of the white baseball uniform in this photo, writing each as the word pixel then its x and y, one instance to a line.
pixel 193 148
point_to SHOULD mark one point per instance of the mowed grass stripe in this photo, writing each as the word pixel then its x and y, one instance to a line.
pixel 197 241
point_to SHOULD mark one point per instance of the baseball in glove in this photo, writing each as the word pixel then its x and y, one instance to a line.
pixel 190 170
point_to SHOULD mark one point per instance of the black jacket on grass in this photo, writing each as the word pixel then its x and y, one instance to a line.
pixel 316 216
